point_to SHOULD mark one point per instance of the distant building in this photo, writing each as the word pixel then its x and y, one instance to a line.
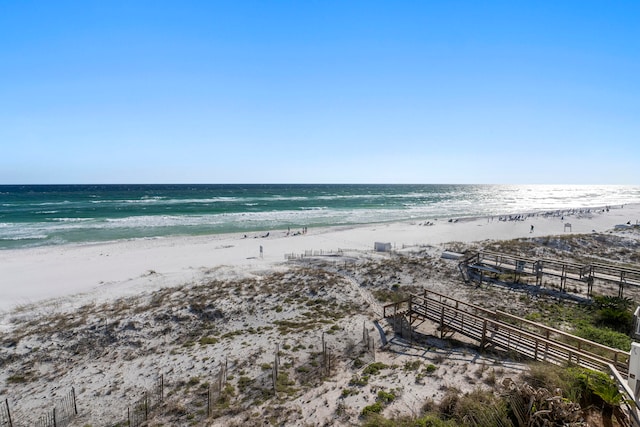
pixel 382 247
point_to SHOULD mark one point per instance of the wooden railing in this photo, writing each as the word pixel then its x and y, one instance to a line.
pixel 565 270
pixel 507 332
pixel 502 330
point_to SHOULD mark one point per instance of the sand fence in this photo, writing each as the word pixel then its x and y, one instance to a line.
pixel 198 399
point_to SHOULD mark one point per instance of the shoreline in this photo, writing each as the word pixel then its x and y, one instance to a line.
pixel 108 270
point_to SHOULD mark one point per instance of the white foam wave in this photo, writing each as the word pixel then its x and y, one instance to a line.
pixel 166 201
pixel 72 219
pixel 26 237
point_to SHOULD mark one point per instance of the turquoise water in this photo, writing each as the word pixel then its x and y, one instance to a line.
pixel 60 214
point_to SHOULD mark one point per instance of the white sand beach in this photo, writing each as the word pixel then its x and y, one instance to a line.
pixel 108 318
pixel 111 270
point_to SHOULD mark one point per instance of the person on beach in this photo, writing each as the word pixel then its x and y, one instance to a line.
pixel 531 231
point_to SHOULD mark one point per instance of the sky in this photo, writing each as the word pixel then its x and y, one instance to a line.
pixel 486 92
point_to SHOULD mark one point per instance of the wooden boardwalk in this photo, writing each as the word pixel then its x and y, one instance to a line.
pixel 509 333
pixel 485 263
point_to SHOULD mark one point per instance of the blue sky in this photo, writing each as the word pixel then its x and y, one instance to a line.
pixel 320 92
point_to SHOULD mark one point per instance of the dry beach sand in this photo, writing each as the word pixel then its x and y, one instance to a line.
pixel 108 319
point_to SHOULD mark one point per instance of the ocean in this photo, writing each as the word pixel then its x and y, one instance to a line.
pixel 39 215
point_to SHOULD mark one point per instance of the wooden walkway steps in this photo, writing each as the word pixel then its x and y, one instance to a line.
pixel 486 262
pixel 510 333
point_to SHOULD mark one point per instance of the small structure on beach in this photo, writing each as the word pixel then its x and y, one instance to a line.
pixel 382 247
pixel 636 324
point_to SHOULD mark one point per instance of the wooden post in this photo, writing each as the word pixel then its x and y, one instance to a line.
pixel 410 319
pixel 425 300
pixel 146 406
pixel 6 402
pixel 54 417
pixel 535 351
pixel 73 395
pixel 442 323
pixel 129 415
pixel 276 361
pixel 373 348
pixel 274 376
pixel 324 355
pixel 484 333
pixel 546 345
pixel 209 401
pixel 620 289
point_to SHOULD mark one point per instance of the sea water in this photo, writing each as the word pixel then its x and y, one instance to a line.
pixel 37 215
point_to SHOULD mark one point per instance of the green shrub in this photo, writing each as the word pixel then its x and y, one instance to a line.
pixel 614 313
pixel 359 381
pixel 619 320
pixel 376 408
pixel 605 336
pixel 374 368
pixel 208 340
pixel 244 383
pixel 549 376
pixel 428 420
pixel 476 407
pixel 413 365
pixel 346 392
pixel 596 387
pixel 448 403
pixel 386 397
pixel 17 379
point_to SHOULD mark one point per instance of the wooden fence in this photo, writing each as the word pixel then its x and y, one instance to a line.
pixel 153 400
pixel 368 344
pixel 139 412
pixel 5 414
pixel 63 412
pixel 214 390
pixel 313 253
